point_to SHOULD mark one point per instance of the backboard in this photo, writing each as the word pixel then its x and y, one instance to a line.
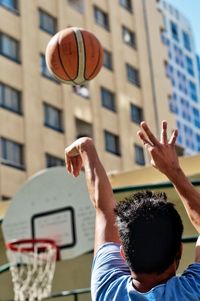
pixel 53 204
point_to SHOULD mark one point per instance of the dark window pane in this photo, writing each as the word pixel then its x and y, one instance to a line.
pixel 52 161
pixel 128 37
pixel 11 153
pixel 136 114
pixel 10 4
pixel 174 31
pixel 112 143
pixel 133 75
pixel 186 41
pixel 53 117
pixel 108 99
pixel 47 22
pixel 10 99
pixel 9 47
pixel 101 17
pixel 107 62
pixel 139 155
pixel 126 4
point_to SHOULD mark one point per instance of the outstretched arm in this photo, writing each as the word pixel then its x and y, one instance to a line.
pixel 82 153
pixel 164 158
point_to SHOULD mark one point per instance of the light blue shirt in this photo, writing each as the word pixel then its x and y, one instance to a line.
pixel 111 280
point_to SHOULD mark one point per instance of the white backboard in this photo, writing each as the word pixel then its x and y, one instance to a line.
pixel 53 204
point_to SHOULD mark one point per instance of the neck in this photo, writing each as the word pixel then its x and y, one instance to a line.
pixel 144 282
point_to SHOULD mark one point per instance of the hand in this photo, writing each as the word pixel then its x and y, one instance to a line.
pixel 163 153
pixel 73 159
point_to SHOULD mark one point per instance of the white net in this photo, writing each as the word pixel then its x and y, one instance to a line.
pixel 32 270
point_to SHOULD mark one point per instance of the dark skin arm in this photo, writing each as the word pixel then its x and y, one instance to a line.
pixel 164 158
pixel 82 153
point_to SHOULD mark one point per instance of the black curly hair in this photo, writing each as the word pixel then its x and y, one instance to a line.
pixel 150 229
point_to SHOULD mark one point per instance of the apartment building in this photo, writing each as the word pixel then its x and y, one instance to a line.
pixel 182 69
pixel 39 116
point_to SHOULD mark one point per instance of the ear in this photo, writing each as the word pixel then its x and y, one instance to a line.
pixel 122 252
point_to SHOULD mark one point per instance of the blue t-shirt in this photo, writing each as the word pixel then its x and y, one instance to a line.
pixel 111 280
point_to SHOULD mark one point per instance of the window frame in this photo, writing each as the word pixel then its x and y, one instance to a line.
pixel 116 150
pixel 49 157
pixel 16 58
pixel 3 103
pixel 138 151
pixel 108 54
pixel 136 80
pixel 14 9
pixel 128 7
pixel 5 160
pixel 43 14
pixel 104 16
pixel 138 111
pixel 111 103
pixel 47 118
pixel 126 30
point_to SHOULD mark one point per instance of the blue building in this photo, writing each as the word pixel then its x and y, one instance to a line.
pixel 183 70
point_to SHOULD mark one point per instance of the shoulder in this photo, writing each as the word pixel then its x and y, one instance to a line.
pixel 108 269
pixel 187 284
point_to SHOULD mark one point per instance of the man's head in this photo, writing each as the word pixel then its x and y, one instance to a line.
pixel 150 229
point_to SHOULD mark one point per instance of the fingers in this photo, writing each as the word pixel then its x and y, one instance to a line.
pixel 163 136
pixel 152 138
pixel 173 137
pixel 143 138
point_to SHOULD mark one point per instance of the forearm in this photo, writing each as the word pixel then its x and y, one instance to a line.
pixel 188 194
pixel 99 187
pixel 101 195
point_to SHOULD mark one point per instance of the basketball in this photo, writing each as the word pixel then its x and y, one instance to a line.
pixel 74 56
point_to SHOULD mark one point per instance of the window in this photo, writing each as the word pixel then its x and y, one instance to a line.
pixel 174 31
pixel 126 4
pixel 12 153
pixel 77 5
pixel 180 132
pixel 193 91
pixel 108 99
pixel 186 41
pixel 47 22
pixel 83 128
pixel 128 37
pixel 44 70
pixel 53 117
pixel 196 115
pixel 136 114
pixel 112 143
pixel 10 99
pixel 9 47
pixel 52 161
pixel 82 91
pixel 173 103
pixel 10 4
pixel 189 65
pixel 101 17
pixel 133 75
pixel 139 154
pixel 107 59
pixel 198 142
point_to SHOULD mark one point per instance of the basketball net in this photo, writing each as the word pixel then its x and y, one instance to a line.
pixel 32 268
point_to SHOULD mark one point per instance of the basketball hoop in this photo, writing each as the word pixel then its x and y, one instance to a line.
pixel 32 267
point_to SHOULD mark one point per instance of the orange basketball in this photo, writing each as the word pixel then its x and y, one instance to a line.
pixel 74 56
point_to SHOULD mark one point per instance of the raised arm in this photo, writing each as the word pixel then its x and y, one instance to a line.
pixel 164 158
pixel 82 153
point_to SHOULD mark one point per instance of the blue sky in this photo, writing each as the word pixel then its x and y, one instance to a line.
pixel 191 10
